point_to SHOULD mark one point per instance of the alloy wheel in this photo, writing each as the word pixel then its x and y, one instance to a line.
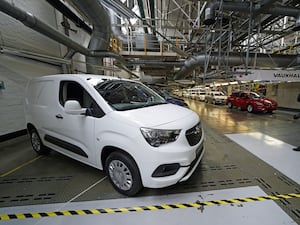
pixel 120 175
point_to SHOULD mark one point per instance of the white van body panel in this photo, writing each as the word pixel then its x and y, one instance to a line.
pixel 87 136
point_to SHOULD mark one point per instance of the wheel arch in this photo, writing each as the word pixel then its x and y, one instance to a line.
pixel 30 126
pixel 107 150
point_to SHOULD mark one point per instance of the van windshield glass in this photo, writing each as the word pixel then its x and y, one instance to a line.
pixel 125 95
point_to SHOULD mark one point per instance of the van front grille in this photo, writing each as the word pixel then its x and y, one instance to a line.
pixel 194 135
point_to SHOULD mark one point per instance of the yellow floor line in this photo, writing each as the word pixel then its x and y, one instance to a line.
pixel 20 167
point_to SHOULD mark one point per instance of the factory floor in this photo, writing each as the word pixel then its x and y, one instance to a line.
pixel 249 174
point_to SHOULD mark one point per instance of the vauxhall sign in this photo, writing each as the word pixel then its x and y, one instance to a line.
pixel 270 75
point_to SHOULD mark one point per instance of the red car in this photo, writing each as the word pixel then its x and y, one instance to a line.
pixel 251 101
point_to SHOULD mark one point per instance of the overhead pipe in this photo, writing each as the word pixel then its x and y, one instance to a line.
pixel 100 37
pixel 61 7
pixel 32 22
pixel 155 63
pixel 263 4
pixel 237 59
pixel 259 8
pixel 209 15
pixel 68 56
pixel 51 60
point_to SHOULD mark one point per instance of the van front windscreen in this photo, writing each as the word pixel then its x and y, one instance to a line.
pixel 125 95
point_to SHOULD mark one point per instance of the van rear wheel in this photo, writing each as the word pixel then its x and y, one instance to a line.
pixel 123 173
pixel 36 142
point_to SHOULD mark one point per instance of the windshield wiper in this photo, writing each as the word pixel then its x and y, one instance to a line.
pixel 154 103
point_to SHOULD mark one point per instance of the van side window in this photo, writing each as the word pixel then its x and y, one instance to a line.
pixel 71 90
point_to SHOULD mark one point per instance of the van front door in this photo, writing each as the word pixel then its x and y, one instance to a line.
pixel 75 133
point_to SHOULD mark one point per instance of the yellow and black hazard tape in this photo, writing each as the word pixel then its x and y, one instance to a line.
pixel 37 215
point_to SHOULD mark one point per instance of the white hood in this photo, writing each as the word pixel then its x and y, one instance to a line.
pixel 158 116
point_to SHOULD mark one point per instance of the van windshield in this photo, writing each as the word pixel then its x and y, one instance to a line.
pixel 125 95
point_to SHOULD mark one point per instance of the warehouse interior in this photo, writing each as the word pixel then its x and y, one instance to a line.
pixel 176 45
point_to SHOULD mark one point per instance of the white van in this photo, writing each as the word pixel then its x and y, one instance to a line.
pixel 215 97
pixel 201 95
pixel 116 125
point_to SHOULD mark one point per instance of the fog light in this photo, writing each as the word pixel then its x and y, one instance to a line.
pixel 166 170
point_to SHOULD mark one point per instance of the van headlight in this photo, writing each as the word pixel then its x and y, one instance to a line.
pixel 157 137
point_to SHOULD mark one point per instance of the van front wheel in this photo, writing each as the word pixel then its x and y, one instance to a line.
pixel 36 143
pixel 123 173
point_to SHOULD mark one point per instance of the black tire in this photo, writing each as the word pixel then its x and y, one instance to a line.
pixel 250 108
pixel 123 173
pixel 37 143
pixel 229 105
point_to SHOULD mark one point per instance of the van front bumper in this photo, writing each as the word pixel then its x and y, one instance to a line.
pixel 169 174
pixel 194 164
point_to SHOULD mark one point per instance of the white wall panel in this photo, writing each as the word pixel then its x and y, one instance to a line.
pixel 285 94
pixel 16 71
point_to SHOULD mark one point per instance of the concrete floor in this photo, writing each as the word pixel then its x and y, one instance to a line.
pixel 236 164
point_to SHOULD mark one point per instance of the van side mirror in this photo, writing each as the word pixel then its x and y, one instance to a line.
pixel 74 108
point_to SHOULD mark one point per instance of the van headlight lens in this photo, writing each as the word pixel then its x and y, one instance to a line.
pixel 157 137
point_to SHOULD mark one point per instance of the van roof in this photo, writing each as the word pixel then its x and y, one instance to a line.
pixel 82 76
pixel 85 77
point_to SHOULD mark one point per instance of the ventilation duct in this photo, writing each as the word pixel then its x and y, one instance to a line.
pixel 35 24
pixel 236 59
pixel 209 16
pixel 32 22
pixel 100 37
pixel 259 8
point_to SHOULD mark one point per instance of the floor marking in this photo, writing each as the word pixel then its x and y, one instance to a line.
pixel 70 212
pixel 87 189
pixel 275 152
pixel 197 204
pixel 21 166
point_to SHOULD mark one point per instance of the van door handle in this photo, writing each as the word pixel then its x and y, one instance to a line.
pixel 58 116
